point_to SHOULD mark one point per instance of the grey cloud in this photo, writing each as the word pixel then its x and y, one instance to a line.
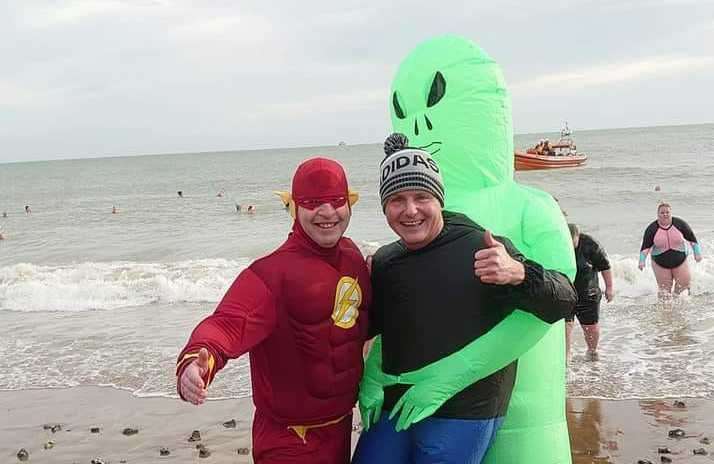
pixel 93 78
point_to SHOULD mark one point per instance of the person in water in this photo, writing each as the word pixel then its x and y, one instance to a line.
pixel 180 193
pixel 301 314
pixel 27 209
pixel 591 259
pixel 430 300
pixel 666 240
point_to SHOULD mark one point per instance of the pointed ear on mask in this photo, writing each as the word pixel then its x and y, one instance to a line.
pixel 288 202
pixel 287 199
pixel 352 196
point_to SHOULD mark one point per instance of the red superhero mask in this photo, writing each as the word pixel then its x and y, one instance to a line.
pixel 318 181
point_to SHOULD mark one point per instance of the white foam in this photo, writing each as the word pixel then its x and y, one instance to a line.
pixel 92 286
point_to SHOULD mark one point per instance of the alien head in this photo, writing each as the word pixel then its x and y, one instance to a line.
pixel 449 97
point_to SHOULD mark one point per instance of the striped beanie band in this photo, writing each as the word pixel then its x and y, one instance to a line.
pixel 409 169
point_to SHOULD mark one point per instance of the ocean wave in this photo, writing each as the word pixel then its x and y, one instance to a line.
pixel 105 286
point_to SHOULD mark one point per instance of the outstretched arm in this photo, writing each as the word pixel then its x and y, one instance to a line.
pixel 244 318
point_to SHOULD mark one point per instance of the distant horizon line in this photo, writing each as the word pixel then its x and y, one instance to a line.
pixel 302 147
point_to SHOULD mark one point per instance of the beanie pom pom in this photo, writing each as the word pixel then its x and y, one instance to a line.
pixel 395 142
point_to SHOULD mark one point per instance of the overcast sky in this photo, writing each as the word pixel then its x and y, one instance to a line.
pixel 98 78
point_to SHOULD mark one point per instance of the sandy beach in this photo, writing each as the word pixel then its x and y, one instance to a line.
pixel 602 431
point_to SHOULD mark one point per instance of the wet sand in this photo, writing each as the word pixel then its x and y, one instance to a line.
pixel 602 431
pixel 626 431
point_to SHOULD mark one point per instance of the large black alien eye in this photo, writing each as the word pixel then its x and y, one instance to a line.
pixel 438 88
pixel 397 108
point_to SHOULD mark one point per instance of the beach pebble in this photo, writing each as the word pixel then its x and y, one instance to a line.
pixel 665 459
pixel 195 436
pixel 94 430
pixel 49 445
pixel 130 431
pixel 676 433
pixel 164 452
pixel 705 441
pixel 243 451
pixel 664 450
pixel 680 404
pixel 23 455
pixel 203 452
pixel 231 424
pixel 700 451
pixel 54 428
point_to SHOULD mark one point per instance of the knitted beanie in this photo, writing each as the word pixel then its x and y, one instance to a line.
pixel 407 168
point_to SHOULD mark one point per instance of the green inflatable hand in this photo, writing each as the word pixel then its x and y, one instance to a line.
pixel 371 388
pixel 450 98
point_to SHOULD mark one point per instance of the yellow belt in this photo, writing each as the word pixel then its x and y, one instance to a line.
pixel 301 430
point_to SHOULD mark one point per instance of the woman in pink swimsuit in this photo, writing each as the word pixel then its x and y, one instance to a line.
pixel 666 238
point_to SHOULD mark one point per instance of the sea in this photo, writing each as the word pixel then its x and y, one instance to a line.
pixel 88 297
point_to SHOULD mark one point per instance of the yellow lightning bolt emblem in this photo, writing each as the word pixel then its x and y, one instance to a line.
pixel 348 297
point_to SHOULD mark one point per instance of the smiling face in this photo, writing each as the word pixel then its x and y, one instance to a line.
pixel 414 215
pixel 325 224
pixel 449 98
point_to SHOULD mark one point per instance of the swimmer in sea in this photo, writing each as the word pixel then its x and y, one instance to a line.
pixel 251 209
pixel 27 209
pixel 180 193
pixel 666 239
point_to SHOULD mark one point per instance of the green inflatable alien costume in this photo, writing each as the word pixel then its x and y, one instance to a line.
pixel 449 97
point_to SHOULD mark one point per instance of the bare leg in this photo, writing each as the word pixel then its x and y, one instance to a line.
pixel 592 337
pixel 664 280
pixel 682 278
pixel 568 332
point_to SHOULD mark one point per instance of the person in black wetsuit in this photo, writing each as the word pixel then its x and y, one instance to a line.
pixel 591 259
pixel 666 239
pixel 443 284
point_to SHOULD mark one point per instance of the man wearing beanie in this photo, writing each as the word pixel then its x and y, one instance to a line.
pixel 442 285
pixel 301 313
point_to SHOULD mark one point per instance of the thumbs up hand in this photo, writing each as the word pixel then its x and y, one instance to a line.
pixel 192 386
pixel 493 264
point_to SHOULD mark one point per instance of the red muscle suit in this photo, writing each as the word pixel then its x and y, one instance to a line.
pixel 301 314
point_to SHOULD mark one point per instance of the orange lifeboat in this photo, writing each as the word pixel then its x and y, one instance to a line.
pixel 526 161
pixel 562 154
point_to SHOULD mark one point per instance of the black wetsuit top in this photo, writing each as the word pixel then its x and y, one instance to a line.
pixel 591 259
pixel 428 303
pixel 672 257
